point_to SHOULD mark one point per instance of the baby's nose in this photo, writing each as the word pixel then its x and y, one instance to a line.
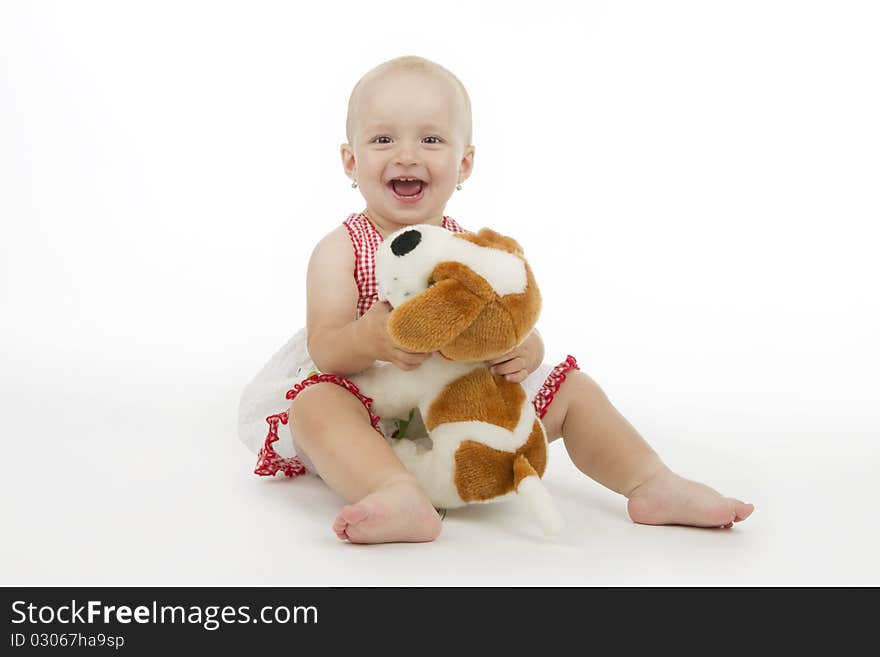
pixel 405 242
pixel 406 155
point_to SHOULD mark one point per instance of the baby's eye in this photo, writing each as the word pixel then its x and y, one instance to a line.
pixel 434 142
pixel 382 142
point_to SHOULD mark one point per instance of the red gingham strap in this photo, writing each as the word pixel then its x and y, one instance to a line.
pixel 450 224
pixel 365 240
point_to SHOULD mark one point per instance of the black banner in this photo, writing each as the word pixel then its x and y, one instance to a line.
pixel 149 620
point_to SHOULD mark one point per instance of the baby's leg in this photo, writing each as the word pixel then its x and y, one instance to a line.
pixel 604 446
pixel 332 427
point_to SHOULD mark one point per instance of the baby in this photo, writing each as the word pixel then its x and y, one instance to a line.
pixel 409 148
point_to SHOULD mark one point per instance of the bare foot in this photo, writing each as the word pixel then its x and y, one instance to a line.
pixel 667 499
pixel 398 512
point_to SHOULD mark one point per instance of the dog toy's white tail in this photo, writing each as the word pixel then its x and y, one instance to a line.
pixel 531 489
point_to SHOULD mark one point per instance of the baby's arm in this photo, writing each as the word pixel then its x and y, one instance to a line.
pixel 337 341
pixel 331 308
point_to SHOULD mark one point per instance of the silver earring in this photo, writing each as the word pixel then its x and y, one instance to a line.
pixel 354 184
pixel 458 186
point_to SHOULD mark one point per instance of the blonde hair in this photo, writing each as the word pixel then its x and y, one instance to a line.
pixel 417 64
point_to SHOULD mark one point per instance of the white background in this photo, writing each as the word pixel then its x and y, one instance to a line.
pixel 696 186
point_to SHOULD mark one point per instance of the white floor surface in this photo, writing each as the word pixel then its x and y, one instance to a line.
pixel 156 490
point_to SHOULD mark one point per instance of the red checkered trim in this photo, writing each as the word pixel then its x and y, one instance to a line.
pixel 365 239
pixel 269 462
pixel 551 385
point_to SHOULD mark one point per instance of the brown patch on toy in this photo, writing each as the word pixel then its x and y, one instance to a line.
pixel 435 317
pixel 523 308
pixel 478 396
pixel 461 316
pixel 466 276
pixel 483 473
pixel 535 449
pixel 522 469
pixel 488 237
pixel 490 335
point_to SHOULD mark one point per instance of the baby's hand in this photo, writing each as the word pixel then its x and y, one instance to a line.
pixel 515 365
pixel 380 344
pixel 512 366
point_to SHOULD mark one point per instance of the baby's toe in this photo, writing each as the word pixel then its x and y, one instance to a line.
pixel 743 510
pixel 731 510
pixel 348 517
pixel 339 527
pixel 354 513
pixel 720 512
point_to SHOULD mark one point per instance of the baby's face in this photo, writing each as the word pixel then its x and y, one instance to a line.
pixel 408 125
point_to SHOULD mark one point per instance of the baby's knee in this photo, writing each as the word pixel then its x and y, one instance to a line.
pixel 579 387
pixel 319 407
pixel 578 390
pixel 309 410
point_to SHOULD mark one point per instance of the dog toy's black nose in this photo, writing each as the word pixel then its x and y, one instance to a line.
pixel 405 242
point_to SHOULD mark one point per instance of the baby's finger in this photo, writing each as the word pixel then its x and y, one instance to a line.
pixel 517 377
pixel 502 359
pixel 406 364
pixel 509 367
pixel 411 358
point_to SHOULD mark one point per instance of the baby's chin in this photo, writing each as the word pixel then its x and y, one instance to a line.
pixel 410 216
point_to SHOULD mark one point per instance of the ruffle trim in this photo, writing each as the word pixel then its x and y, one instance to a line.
pixel 269 462
pixel 545 395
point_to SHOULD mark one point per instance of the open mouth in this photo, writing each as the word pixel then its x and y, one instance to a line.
pixel 407 189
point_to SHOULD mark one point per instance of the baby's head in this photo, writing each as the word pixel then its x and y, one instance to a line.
pixel 408 118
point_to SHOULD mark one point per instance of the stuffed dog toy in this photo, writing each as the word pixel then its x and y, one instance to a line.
pixel 470 298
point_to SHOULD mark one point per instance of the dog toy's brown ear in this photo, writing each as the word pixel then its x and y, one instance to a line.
pixel 489 238
pixel 502 323
pixel 461 316
pixel 499 241
pixel 454 299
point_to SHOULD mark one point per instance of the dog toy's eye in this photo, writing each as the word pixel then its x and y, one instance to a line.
pixel 431 282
